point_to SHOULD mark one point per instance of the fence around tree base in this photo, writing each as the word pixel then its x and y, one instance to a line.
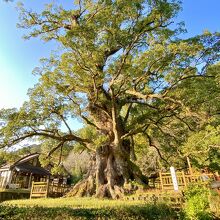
pixel 47 189
pixel 164 182
pixel 171 198
pixel 162 189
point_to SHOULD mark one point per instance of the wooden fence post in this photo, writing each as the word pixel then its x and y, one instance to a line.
pixel 47 193
pixel 161 180
pixel 184 178
pixel 32 185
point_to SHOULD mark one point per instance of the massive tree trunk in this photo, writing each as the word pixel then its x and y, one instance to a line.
pixel 110 172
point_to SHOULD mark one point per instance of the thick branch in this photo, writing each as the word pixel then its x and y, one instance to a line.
pixel 64 138
pixel 152 144
pixel 55 148
pixel 143 96
pixel 134 131
pixel 128 112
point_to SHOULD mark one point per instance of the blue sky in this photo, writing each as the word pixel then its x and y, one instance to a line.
pixel 18 57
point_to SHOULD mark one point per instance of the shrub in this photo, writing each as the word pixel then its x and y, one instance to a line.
pixel 197 202
pixel 215 204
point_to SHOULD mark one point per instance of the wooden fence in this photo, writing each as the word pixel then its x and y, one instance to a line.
pixel 46 189
pixel 57 190
pixel 165 180
pixel 164 183
pixel 163 191
pixel 174 199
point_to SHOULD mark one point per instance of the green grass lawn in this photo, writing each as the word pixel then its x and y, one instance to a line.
pixel 83 208
pixel 92 208
pixel 74 203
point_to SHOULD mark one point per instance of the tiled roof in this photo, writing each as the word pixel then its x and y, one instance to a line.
pixel 26 158
pixel 28 168
pixel 23 166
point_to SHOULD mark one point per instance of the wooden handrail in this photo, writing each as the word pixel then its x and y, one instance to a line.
pixel 182 179
pixel 45 189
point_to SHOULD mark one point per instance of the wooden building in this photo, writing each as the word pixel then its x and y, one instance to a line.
pixel 21 173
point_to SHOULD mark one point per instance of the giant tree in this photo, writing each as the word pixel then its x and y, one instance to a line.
pixel 121 70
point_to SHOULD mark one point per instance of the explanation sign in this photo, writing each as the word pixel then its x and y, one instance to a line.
pixel 174 179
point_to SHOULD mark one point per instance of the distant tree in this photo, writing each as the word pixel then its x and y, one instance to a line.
pixel 202 145
pixel 11 156
pixel 122 71
pixel 203 148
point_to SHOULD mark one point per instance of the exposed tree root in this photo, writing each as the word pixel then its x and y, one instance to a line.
pixel 109 174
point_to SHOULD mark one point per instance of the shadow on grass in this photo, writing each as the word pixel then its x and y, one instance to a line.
pixel 132 212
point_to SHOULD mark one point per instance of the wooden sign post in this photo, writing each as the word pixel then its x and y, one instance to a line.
pixel 174 179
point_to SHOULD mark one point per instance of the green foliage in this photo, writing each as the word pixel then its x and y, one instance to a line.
pixel 77 175
pixel 197 202
pixel 90 133
pixel 203 147
pixel 215 204
pixel 147 157
pixel 54 160
pixel 10 156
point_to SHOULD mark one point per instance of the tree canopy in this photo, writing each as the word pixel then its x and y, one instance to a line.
pixel 122 70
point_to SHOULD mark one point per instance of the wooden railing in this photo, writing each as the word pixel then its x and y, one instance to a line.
pixel 183 180
pixel 46 189
pixel 39 190
pixel 57 190
pixel 162 189
pixel 173 199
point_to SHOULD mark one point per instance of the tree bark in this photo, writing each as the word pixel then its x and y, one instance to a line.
pixel 111 168
pixel 111 171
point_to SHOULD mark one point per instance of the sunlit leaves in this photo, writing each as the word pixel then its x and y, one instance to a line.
pixel 204 148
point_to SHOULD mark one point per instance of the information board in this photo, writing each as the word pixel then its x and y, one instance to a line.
pixel 174 179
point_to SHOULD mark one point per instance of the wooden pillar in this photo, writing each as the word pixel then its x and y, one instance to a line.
pixel 161 180
pixel 30 181
pixel 184 178
pixel 32 186
pixel 4 179
pixel 1 179
pixel 48 188
pixel 7 178
pixel 15 177
pixel 52 189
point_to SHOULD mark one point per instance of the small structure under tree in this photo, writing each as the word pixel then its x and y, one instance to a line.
pixel 21 173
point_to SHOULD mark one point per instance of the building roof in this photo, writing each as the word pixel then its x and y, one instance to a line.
pixel 26 158
pixel 23 166
pixel 27 168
